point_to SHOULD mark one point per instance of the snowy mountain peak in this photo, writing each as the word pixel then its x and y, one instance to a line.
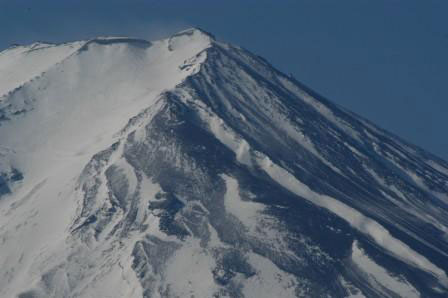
pixel 21 64
pixel 187 166
pixel 195 32
pixel 192 36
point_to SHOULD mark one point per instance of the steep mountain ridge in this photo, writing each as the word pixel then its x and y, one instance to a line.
pixel 189 166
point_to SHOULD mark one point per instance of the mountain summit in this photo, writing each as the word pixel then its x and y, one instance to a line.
pixel 189 167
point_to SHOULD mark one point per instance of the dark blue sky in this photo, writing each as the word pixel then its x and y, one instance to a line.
pixel 387 60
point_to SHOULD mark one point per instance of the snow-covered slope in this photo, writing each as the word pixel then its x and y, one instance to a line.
pixel 191 167
pixel 21 64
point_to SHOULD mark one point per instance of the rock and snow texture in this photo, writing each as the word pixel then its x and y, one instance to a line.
pixel 188 167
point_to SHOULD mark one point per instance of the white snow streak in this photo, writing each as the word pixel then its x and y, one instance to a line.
pixel 379 275
pixel 356 219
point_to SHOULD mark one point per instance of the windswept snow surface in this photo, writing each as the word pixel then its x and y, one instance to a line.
pixel 21 64
pixel 191 167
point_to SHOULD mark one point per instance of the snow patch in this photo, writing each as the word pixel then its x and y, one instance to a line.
pixel 269 280
pixel 438 167
pixel 246 211
pixel 189 272
pixel 227 137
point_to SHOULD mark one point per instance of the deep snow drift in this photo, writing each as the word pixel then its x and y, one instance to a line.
pixel 191 167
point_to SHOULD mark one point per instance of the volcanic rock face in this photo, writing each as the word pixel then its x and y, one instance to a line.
pixel 189 167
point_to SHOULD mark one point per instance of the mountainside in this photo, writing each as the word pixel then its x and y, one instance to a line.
pixel 189 167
